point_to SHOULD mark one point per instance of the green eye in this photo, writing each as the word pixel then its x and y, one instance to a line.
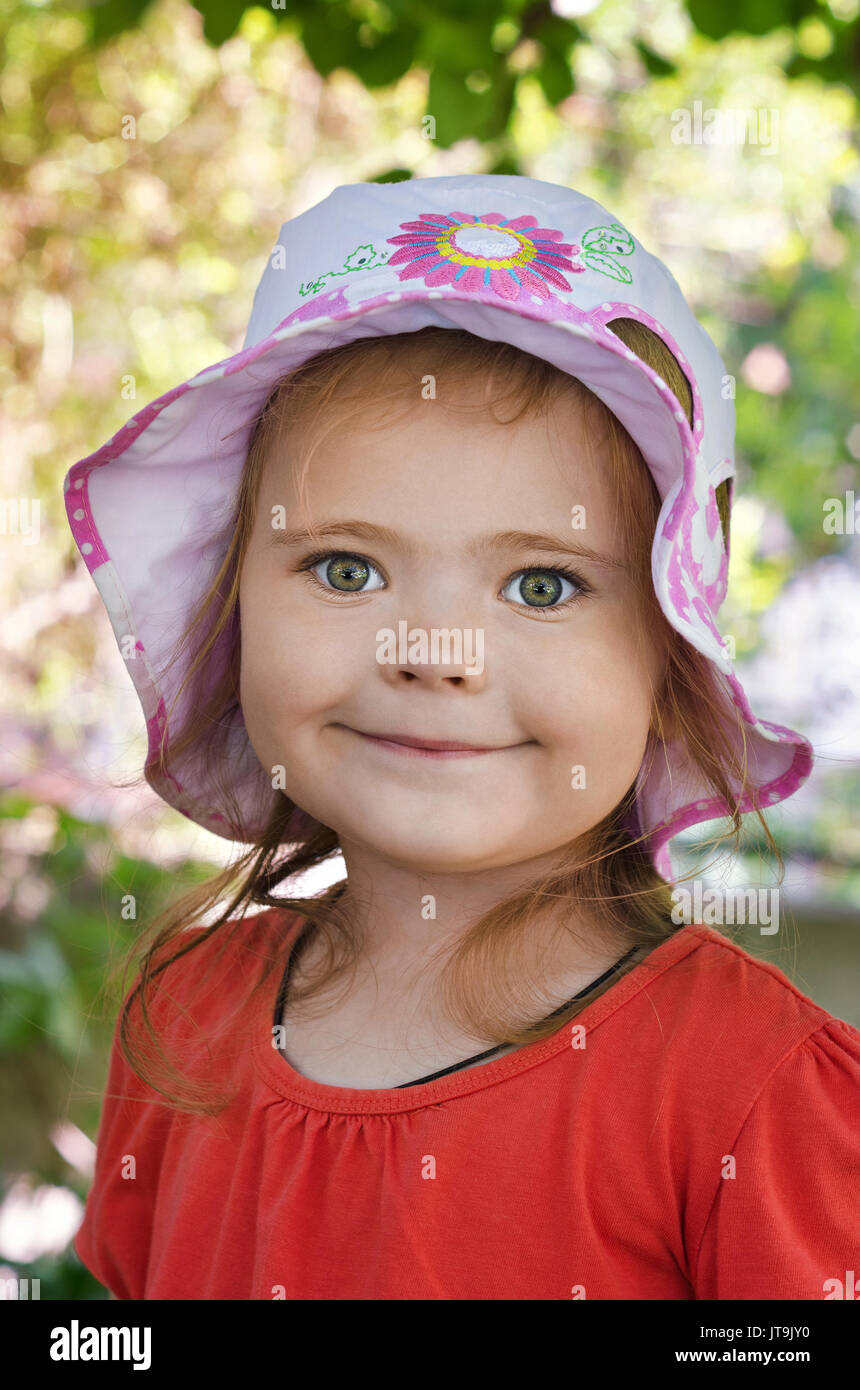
pixel 345 573
pixel 542 588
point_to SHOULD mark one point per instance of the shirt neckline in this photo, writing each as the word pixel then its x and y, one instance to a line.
pixel 476 1057
pixel 281 1077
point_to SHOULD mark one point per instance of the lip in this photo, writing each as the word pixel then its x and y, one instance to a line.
pixel 408 746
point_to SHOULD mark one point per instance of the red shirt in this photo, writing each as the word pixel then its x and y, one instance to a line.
pixel 703 1143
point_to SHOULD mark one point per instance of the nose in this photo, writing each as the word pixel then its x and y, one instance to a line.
pixel 436 657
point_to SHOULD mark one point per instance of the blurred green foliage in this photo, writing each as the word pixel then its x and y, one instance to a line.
pixel 379 42
pixel 60 936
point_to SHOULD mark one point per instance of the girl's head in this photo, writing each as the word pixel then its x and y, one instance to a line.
pixel 401 485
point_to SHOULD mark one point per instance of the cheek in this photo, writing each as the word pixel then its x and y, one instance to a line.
pixel 290 669
pixel 594 696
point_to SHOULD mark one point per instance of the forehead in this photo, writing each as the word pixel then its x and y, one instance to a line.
pixel 453 447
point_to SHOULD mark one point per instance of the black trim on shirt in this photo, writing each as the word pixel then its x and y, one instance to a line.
pixel 458 1066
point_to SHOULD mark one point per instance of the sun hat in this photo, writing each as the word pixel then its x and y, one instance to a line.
pixel 504 257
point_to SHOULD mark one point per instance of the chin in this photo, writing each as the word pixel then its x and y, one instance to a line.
pixel 426 850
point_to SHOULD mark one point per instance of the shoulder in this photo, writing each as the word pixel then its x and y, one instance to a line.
pixel 203 978
pixel 254 940
pixel 771 1209
pixel 717 976
pixel 730 1024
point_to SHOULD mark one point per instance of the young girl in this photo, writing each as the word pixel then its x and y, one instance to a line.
pixel 425 577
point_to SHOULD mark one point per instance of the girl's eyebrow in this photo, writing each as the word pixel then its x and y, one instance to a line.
pixel 502 540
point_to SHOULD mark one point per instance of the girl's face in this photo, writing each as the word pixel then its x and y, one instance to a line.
pixel 554 673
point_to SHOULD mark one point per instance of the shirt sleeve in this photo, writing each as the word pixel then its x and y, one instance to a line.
pixel 114 1237
pixel 787 1224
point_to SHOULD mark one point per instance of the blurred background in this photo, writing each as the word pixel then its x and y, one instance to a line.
pixel 150 153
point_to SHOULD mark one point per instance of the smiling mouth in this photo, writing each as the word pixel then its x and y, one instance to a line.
pixel 407 746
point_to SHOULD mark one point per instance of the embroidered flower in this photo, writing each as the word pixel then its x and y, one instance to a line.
pixel 514 258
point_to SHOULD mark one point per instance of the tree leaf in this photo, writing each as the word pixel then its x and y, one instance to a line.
pixel 112 17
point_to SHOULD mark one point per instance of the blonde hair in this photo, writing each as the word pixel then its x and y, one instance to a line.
pixel 485 987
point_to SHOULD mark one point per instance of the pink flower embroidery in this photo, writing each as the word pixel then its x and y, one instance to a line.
pixel 513 258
